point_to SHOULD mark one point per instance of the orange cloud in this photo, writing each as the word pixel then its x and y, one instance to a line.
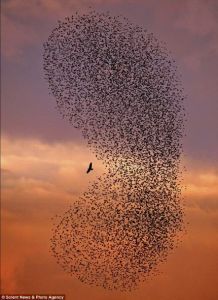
pixel 40 180
pixel 51 166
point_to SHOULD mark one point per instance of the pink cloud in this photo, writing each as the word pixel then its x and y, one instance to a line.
pixel 15 37
pixel 198 18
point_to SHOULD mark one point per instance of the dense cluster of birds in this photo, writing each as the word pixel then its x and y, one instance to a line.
pixel 117 83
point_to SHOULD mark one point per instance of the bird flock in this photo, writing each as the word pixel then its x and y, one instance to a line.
pixel 117 83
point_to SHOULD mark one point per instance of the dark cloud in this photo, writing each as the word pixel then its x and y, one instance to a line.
pixel 29 111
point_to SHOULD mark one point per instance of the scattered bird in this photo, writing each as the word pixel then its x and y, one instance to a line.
pixel 116 83
pixel 89 168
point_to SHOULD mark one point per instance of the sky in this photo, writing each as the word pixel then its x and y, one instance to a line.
pixel 43 157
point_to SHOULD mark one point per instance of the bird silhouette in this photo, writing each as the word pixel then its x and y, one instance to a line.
pixel 89 168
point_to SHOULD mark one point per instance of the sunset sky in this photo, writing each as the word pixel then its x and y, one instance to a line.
pixel 44 158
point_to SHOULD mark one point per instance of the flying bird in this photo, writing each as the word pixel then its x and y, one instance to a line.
pixel 89 168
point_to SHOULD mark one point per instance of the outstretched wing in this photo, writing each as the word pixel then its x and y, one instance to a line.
pixel 89 168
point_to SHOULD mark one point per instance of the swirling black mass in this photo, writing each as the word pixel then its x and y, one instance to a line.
pixel 117 83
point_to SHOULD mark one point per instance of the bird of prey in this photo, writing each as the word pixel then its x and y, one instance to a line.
pixel 89 168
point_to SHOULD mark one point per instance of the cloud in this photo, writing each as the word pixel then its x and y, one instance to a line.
pixel 32 166
pixel 200 188
pixel 204 184
pixel 199 18
pixel 15 37
pixel 41 179
pixel 33 169
pixel 27 23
